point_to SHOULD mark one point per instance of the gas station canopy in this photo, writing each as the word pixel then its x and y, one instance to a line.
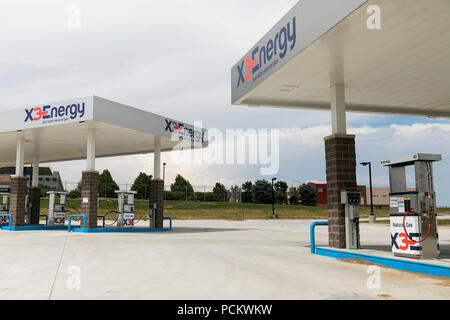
pixel 402 68
pixel 59 131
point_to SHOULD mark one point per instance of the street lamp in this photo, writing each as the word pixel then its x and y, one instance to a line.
pixel 372 217
pixel 164 171
pixel 273 199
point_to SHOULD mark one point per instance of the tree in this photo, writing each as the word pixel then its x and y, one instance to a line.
pixel 280 191
pixel 220 192
pixel 293 200
pixel 181 185
pixel 247 193
pixel 44 190
pixel 262 191
pixel 235 192
pixel 75 193
pixel 106 185
pixel 307 195
pixel 141 185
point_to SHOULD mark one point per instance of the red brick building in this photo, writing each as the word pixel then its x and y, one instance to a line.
pixel 321 190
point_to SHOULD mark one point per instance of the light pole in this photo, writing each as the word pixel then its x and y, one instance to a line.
pixel 273 199
pixel 164 171
pixel 372 217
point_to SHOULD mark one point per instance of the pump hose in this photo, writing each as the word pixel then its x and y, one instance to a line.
pixel 112 211
pixel 430 215
pixel 77 211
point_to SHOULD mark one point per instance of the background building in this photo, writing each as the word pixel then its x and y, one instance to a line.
pixel 47 178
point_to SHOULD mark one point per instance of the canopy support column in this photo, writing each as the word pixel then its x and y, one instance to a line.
pixel 340 167
pixel 35 177
pixel 34 195
pixel 89 184
pixel 18 186
pixel 90 151
pixel 157 163
pixel 338 119
pixel 156 197
pixel 20 155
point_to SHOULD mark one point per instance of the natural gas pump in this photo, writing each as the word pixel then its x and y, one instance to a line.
pixel 413 212
pixel 125 211
pixel 4 207
pixel 351 200
pixel 57 210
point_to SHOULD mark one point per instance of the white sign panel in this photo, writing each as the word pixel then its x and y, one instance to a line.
pixel 128 219
pixel 401 205
pixel 394 202
pixel 59 218
pixel 300 27
pixel 43 115
pixel 401 243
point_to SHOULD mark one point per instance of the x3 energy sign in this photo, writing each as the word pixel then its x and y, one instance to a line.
pixel 266 56
pixel 305 23
pixel 181 132
pixel 275 49
pixel 55 114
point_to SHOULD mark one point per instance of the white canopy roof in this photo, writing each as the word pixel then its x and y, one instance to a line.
pixel 404 68
pixel 58 131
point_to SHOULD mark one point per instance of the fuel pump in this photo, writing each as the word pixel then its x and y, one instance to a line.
pixel 125 211
pixel 352 201
pixel 4 209
pixel 413 212
pixel 57 210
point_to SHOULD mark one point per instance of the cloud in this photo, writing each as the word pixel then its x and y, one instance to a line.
pixel 174 58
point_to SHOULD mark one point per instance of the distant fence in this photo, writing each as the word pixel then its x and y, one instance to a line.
pixel 199 193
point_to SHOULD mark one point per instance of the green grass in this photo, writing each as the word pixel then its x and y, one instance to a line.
pixel 228 211
pixel 216 210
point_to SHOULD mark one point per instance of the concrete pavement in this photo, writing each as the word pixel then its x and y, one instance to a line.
pixel 212 259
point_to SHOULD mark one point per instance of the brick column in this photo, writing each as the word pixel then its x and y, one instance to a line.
pixel 34 197
pixel 157 196
pixel 17 200
pixel 89 190
pixel 341 175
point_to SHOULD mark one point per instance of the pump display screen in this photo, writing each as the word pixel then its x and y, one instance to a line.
pixel 128 208
pixel 3 208
pixel 60 208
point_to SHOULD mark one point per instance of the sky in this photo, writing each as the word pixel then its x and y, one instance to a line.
pixel 174 58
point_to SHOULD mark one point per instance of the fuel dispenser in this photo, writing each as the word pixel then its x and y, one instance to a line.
pixel 57 210
pixel 125 211
pixel 351 200
pixel 413 213
pixel 4 207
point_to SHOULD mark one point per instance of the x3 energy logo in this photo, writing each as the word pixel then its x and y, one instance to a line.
pixel 71 111
pixel 173 126
pixel 278 46
pixel 180 131
pixel 38 114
